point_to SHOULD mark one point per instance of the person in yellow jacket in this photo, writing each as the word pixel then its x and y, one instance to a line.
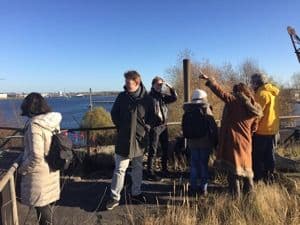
pixel 264 139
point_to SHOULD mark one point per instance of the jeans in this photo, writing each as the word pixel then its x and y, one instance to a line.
pixel 158 134
pixel 199 167
pixel 121 165
pixel 263 156
pixel 44 215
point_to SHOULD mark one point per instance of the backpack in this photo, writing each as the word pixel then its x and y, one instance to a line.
pixel 60 154
pixel 195 123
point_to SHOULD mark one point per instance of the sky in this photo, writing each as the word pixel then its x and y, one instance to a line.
pixel 74 45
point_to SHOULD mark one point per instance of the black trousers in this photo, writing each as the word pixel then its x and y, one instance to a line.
pixel 263 157
pixel 44 215
pixel 158 135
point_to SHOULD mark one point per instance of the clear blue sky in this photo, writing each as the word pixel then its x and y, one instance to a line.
pixel 51 45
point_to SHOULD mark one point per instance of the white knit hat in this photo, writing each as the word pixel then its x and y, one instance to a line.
pixel 199 96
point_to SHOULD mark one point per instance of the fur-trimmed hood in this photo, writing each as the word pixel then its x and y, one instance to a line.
pixel 252 106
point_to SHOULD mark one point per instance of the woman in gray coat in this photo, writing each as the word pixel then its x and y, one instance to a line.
pixel 39 185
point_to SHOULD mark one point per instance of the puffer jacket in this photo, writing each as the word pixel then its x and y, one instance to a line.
pixel 39 185
pixel 210 140
pixel 267 97
pixel 132 117
pixel 160 105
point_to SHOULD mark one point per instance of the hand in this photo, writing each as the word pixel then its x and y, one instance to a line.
pixel 147 128
pixel 168 85
pixel 203 76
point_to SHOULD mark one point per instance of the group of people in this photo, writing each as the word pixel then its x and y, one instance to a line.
pixel 245 143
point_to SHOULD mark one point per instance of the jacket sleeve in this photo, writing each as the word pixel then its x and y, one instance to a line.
pixel 170 98
pixel 116 111
pixel 150 118
pixel 254 125
pixel 263 100
pixel 219 91
pixel 37 150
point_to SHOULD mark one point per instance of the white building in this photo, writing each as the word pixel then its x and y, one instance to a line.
pixel 3 96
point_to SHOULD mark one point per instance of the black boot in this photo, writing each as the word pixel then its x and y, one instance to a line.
pixel 234 186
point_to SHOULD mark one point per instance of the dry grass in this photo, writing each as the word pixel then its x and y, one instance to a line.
pixel 266 205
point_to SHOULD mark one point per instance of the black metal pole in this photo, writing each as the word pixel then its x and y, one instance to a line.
pixel 296 50
pixel 186 79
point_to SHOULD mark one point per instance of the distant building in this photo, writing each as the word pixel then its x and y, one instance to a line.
pixel 3 96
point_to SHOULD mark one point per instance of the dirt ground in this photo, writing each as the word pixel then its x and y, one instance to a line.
pixel 83 201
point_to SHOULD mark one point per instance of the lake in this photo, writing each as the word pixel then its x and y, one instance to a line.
pixel 72 109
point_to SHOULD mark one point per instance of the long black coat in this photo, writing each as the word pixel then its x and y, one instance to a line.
pixel 132 117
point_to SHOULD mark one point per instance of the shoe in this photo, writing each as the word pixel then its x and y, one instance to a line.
pixel 153 177
pixel 111 204
pixel 138 199
pixel 204 193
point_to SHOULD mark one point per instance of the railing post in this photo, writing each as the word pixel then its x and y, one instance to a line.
pixel 88 143
pixel 14 201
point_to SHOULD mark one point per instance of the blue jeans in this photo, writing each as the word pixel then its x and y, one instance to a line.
pixel 199 167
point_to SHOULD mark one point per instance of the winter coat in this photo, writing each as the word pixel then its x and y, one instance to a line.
pixel 132 117
pixel 39 185
pixel 267 97
pixel 160 105
pixel 210 140
pixel 239 121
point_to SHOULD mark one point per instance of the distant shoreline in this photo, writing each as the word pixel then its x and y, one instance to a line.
pixel 65 95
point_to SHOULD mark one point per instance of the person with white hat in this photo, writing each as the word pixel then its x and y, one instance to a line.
pixel 200 129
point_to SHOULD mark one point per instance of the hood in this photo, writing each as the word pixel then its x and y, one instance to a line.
pixel 253 107
pixel 50 121
pixel 189 106
pixel 270 88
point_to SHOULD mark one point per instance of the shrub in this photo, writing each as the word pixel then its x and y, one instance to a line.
pixel 99 117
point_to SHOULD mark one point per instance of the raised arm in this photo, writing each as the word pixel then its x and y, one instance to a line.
pixel 170 98
pixel 217 89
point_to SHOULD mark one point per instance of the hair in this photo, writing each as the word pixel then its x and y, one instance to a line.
pixel 258 79
pixel 244 89
pixel 132 75
pixel 34 104
pixel 156 79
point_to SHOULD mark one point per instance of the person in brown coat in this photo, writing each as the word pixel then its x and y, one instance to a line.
pixel 239 122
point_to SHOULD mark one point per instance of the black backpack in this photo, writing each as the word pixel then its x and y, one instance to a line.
pixel 195 123
pixel 60 154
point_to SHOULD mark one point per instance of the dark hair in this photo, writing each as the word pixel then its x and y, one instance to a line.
pixel 34 104
pixel 156 79
pixel 258 79
pixel 132 75
pixel 243 88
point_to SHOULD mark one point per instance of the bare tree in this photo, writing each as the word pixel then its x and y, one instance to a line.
pixel 295 81
pixel 246 69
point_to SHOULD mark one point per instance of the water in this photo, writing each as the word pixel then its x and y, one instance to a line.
pixel 72 110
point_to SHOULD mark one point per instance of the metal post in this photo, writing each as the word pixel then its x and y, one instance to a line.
pixel 186 79
pixel 91 101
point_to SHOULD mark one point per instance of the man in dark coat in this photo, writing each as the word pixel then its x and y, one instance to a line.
pixel 159 131
pixel 131 114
